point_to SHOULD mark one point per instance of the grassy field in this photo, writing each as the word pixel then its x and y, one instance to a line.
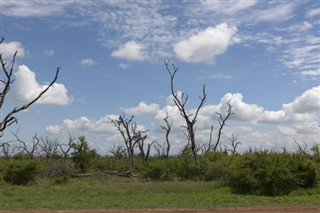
pixel 114 192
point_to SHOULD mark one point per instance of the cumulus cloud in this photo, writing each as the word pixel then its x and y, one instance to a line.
pixel 309 101
pixel 87 61
pixel 204 46
pixel 131 51
pixel 9 48
pixel 142 108
pixel 84 125
pixel 27 88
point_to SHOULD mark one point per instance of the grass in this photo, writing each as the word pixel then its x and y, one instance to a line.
pixel 131 193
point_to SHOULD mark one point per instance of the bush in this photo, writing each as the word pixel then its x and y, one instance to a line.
pixel 160 170
pixel 20 172
pixel 59 169
pixel 271 174
pixel 82 156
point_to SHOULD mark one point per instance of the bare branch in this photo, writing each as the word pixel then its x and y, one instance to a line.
pixel 222 122
pixel 10 118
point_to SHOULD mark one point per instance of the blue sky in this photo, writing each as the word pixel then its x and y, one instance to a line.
pixel 264 56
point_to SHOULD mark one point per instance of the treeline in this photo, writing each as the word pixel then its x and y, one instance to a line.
pixel 258 172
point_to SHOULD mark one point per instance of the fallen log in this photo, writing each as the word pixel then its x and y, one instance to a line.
pixel 105 173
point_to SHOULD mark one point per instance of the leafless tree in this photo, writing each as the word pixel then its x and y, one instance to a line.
pixel 69 146
pixel 181 102
pixel 207 147
pixel 130 134
pixel 49 147
pixel 222 119
pixel 167 128
pixel 5 150
pixel 234 144
pixel 144 154
pixel 6 81
pixel 118 151
pixel 301 150
pixel 31 152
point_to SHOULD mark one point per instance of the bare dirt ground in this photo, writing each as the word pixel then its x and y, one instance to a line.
pixel 289 209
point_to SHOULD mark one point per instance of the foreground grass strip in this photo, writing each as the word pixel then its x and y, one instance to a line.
pixel 126 193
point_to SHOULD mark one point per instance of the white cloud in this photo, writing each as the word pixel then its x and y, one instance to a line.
pixel 309 101
pixel 310 72
pixel 27 88
pixel 124 66
pixel 87 61
pixel 280 12
pixel 49 53
pixel 131 51
pixel 228 7
pixel 204 46
pixel 9 48
pixel 33 8
pixel 313 12
pixel 84 125
pixel 142 108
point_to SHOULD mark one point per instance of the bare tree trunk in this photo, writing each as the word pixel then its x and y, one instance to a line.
pixel 167 128
pixel 222 122
pixel 180 103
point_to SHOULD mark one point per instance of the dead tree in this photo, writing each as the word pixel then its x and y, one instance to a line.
pixel 207 147
pixel 301 150
pixel 144 154
pixel 167 128
pixel 234 144
pixel 69 146
pixel 6 82
pixel 130 134
pixel 31 152
pixel 5 150
pixel 222 119
pixel 118 151
pixel 180 103
pixel 49 147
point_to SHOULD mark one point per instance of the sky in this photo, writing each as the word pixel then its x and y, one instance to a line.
pixel 262 56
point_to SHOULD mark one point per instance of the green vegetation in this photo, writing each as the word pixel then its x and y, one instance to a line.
pixel 216 179
pixel 115 192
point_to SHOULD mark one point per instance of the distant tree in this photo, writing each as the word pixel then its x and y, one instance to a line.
pixel 167 128
pixel 49 147
pixel 118 151
pixel 130 134
pixel 82 154
pixel 234 144
pixel 22 145
pixel 5 150
pixel 68 146
pixel 6 81
pixel 222 122
pixel 180 102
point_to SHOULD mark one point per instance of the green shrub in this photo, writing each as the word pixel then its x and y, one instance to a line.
pixel 187 168
pixel 160 170
pixel 215 166
pixel 271 174
pixel 20 172
pixel 61 179
pixel 82 156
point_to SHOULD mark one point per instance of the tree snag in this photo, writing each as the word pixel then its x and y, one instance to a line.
pixel 180 102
